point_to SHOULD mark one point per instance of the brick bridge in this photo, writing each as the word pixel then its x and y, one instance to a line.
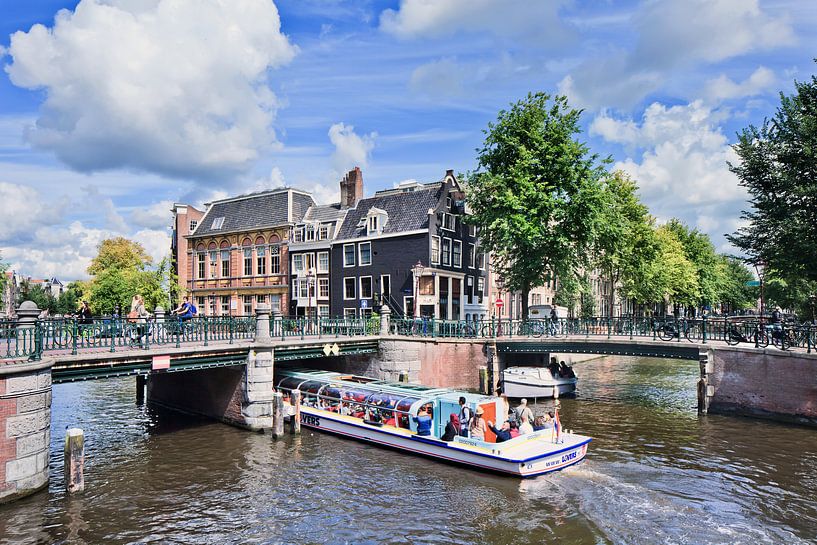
pixel 224 370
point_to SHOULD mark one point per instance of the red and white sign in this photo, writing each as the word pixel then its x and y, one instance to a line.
pixel 499 302
pixel 160 362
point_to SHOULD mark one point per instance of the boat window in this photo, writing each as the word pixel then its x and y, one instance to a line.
pixel 290 383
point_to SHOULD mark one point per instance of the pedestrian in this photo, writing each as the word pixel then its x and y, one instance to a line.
pixel 138 315
pixel 84 316
pixel 524 411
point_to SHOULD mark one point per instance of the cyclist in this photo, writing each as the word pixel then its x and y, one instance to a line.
pixel 84 315
pixel 184 311
pixel 776 323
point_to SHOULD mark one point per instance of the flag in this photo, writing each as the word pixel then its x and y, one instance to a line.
pixel 557 425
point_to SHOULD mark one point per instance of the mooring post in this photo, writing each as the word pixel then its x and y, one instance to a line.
pixel 141 382
pixel 483 380
pixel 403 376
pixel 278 415
pixel 74 460
pixel 295 417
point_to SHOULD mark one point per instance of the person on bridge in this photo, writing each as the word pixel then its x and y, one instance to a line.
pixel 184 311
pixel 85 317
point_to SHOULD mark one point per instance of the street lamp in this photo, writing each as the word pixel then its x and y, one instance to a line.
pixel 760 269
pixel 417 270
pixel 500 284
pixel 813 299
pixel 310 280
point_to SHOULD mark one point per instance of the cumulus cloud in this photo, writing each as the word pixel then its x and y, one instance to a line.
pixel 177 87
pixel 673 34
pixel 351 149
pixel 156 216
pixel 534 22
pixel 23 210
pixel 723 88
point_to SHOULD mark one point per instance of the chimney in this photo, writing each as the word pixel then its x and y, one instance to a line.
pixel 351 188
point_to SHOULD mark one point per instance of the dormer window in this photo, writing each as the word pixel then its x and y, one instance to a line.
pixel 218 223
pixel 323 232
pixel 375 221
pixel 298 235
pixel 373 224
pixel 310 233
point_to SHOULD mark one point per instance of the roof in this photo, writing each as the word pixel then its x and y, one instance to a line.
pixel 254 211
pixel 407 211
pixel 325 213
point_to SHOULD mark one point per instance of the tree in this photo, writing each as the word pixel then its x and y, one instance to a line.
pixel 536 194
pixel 778 167
pixel 624 230
pixel 68 303
pixel 121 254
pixel 700 251
pixel 37 294
pixel 733 292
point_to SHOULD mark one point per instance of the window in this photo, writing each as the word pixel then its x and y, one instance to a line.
pixel 449 222
pixel 274 260
pixel 200 303
pixel 323 232
pixel 260 299
pixel 469 289
pixel 247 261
pixel 261 260
pixel 480 287
pixel 426 285
pixel 298 263
pixel 225 263
pixel 365 253
pixel 193 224
pixel 213 264
pixel 448 203
pixel 350 313
pixel 472 253
pixel 535 299
pixel 202 260
pixel 435 250
pixel 309 262
pixel 349 285
pixel 323 288
pixel 472 230
pixel 323 262
pixel 310 233
pixel 302 288
pixel 323 311
pixel 373 224
pixel 457 254
pixel 348 255
pixel 298 234
pixel 247 305
pixel 225 305
pixel 385 286
pixel 408 305
pixel 446 251
pixel 482 261
pixel 365 287
pixel 218 223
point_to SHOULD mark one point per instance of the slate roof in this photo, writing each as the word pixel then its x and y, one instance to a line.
pixel 325 213
pixel 407 211
pixel 255 211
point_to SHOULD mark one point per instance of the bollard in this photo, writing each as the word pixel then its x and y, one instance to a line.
pixel 74 460
pixel 295 417
pixel 483 380
pixel 278 415
pixel 141 382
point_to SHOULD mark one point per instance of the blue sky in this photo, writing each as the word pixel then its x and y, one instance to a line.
pixel 113 109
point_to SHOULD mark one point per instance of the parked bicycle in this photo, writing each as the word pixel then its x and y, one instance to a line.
pixel 736 335
pixel 673 329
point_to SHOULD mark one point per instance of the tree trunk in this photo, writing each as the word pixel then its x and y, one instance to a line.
pixel 525 296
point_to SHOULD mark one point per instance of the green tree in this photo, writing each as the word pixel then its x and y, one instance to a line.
pixel 778 167
pixel 68 302
pixel 700 251
pixel 37 294
pixel 733 292
pixel 624 231
pixel 536 195
pixel 119 253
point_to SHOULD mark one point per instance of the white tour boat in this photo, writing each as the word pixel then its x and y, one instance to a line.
pixel 383 413
pixel 533 382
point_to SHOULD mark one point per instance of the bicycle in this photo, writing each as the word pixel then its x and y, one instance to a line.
pixel 757 337
pixel 668 330
pixel 533 328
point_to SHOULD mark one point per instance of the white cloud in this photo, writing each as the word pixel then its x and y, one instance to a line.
pixel 351 149
pixel 534 22
pixel 23 210
pixel 723 88
pixel 674 34
pixel 156 216
pixel 177 87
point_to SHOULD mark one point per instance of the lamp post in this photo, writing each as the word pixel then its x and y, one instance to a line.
pixel 760 269
pixel 813 299
pixel 310 280
pixel 417 270
pixel 500 284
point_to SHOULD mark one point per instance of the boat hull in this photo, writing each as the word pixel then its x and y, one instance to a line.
pixel 558 457
pixel 518 386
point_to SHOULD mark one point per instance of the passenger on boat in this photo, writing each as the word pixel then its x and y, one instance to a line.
pixel 553 367
pixel 525 426
pixel 541 423
pixel 565 371
pixel 477 430
pixel 388 419
pixel 524 411
pixel 452 428
pixel 503 433
pixel 514 429
pixel 504 397
pixel 464 417
pixel 423 421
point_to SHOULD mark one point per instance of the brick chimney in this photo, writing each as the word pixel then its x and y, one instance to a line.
pixel 351 188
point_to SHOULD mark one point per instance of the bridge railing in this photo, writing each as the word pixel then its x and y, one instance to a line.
pixel 302 327
pixel 20 341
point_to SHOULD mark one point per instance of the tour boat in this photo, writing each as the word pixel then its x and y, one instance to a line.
pixel 533 382
pixel 382 413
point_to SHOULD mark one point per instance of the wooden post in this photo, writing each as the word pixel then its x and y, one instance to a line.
pixel 278 415
pixel 74 460
pixel 403 376
pixel 295 417
pixel 483 380
pixel 141 382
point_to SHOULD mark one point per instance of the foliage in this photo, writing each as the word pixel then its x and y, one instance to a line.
pixel 536 194
pixel 69 301
pixel 733 293
pixel 37 294
pixel 700 251
pixel 778 161
pixel 121 254
pixel 3 280
pixel 792 294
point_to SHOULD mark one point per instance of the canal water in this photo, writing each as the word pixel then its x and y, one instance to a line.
pixel 656 473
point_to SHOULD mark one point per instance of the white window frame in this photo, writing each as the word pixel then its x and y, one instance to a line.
pixel 218 223
pixel 323 232
pixel 274 259
pixel 260 261
pixel 442 252
pixel 298 234
pixel 445 222
pixel 326 268
pixel 374 223
pixel 360 254
pixel 246 300
pixel 482 259
pixel 435 238
pixel 382 291
pixel 323 282
pixel 201 266
pixel 472 254
pixel 295 259
pixel 323 311
pixel 349 312
pixel 223 261
pixel 457 244
pixel 481 286
pixel 354 283
pixel 345 264
pixel 472 231
pixel 360 287
pixel 405 303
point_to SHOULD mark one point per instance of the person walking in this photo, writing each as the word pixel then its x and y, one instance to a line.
pixel 138 315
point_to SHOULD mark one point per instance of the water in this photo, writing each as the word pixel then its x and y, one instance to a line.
pixel 655 473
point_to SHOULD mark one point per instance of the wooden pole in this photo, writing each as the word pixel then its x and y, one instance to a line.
pixel 74 460
pixel 278 415
pixel 141 381
pixel 483 380
pixel 295 417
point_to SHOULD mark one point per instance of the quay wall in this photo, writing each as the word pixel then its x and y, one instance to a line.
pixel 765 383
pixel 25 428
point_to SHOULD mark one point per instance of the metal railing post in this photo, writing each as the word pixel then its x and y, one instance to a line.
pixel 704 328
pixel 608 327
pixel 206 328
pixel 74 336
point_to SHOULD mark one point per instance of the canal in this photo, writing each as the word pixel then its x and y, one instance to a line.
pixel 656 473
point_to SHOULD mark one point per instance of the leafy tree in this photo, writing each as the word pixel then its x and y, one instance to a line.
pixel 536 194
pixel 121 254
pixel 624 230
pixel 790 293
pixel 37 294
pixel 69 301
pixel 778 167
pixel 700 251
pixel 733 292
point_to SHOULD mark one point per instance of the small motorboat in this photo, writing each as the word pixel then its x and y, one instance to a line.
pixel 536 382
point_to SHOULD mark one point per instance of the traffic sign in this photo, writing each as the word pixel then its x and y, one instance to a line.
pixel 753 283
pixel 499 302
pixel 364 303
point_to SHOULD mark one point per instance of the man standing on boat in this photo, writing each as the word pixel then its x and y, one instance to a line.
pixel 465 417
pixel 524 411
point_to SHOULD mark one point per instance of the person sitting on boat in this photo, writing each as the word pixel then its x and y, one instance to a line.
pixel 464 417
pixel 565 371
pixel 525 426
pixel 503 433
pixel 553 367
pixel 477 429
pixel 423 421
pixel 452 428
pixel 389 420
pixel 514 429
pixel 524 410
pixel 542 423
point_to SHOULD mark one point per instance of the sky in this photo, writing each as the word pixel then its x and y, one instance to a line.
pixel 112 110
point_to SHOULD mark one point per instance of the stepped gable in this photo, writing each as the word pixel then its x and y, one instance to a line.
pixel 407 211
